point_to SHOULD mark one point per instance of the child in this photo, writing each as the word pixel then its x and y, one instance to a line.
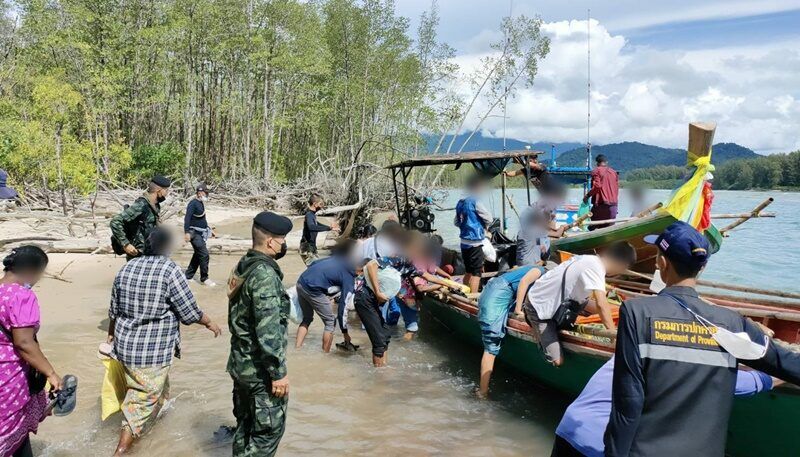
pixel 308 241
pixel 419 252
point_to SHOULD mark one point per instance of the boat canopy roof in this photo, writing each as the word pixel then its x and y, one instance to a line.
pixel 464 157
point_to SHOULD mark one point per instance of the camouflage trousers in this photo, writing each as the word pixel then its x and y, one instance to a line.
pixel 308 253
pixel 260 419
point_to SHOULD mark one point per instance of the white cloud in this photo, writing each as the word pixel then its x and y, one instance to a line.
pixel 644 94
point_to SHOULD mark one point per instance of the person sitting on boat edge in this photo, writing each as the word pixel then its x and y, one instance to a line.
pixel 676 360
pixel 315 287
pixel 499 295
pixel 472 219
pixel 574 287
pixel 580 432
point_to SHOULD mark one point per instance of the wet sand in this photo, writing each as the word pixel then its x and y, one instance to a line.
pixel 422 404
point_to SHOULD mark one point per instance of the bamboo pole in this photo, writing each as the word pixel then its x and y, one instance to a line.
pixel 577 223
pixel 649 209
pixel 733 287
pixel 512 205
pixel 755 213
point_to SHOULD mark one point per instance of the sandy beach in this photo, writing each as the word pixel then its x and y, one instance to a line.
pixel 420 405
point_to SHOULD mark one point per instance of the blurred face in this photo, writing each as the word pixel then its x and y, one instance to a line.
pixel 202 196
pixel 615 267
pixel 31 277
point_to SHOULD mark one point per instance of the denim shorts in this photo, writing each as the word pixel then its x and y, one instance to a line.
pixel 496 300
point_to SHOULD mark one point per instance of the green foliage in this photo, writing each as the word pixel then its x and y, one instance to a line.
pixel 766 172
pixel 165 159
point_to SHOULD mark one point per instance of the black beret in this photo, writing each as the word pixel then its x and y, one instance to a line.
pixel 161 181
pixel 273 223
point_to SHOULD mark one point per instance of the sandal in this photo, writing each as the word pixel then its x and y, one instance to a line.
pixel 63 402
pixel 347 346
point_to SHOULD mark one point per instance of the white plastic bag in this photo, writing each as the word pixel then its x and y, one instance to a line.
pixel 388 281
pixel 489 252
pixel 295 311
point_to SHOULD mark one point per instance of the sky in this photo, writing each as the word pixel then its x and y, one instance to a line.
pixel 656 66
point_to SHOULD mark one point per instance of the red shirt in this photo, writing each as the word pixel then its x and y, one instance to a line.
pixel 605 186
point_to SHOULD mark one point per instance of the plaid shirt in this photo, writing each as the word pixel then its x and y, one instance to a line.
pixel 149 300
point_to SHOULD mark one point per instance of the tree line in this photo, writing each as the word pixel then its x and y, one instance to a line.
pixel 768 172
pixel 259 91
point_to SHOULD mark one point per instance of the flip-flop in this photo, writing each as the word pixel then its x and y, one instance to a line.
pixel 63 401
pixel 347 346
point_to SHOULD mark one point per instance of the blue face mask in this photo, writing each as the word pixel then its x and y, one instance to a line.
pixel 28 285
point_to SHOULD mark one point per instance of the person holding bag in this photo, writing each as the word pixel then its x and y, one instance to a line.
pixel 575 287
pixel 24 370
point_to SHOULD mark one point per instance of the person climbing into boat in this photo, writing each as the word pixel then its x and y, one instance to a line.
pixel 318 284
pixel 574 287
pixel 499 296
pixel 580 432
pixel 311 227
pixel 420 252
pixel 472 219
pixel 604 192
pixel 538 171
pixel 676 359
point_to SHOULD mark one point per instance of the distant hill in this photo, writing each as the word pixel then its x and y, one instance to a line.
pixel 631 155
pixel 479 142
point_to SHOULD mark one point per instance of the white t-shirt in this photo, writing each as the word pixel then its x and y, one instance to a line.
pixel 585 274
pixel 385 248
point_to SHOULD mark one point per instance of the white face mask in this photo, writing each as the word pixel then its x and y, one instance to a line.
pixel 204 198
pixel 737 344
pixel 657 284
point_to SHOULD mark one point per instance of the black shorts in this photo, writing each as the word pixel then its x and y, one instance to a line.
pixel 562 448
pixel 473 259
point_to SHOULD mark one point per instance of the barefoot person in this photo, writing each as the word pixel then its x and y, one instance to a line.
pixel 129 229
pixel 196 231
pixel 149 301
pixel 318 284
pixel 23 401
pixel 574 287
pixel 501 294
pixel 258 309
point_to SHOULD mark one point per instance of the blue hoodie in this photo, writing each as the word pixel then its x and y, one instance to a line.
pixel 6 193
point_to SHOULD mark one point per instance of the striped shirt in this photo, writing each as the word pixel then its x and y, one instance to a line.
pixel 149 301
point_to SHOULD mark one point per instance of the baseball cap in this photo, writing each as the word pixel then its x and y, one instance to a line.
pixel 202 188
pixel 682 243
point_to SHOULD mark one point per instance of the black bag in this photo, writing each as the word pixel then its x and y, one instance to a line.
pixel 130 231
pixel 568 310
pixel 36 380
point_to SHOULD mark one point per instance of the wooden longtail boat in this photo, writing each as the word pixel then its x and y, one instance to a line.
pixel 761 425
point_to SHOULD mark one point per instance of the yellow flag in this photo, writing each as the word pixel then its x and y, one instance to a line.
pixel 685 202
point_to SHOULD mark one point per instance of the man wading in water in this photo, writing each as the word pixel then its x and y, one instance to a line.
pixel 258 310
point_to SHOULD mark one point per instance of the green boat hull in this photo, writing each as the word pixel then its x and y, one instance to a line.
pixel 632 231
pixel 761 425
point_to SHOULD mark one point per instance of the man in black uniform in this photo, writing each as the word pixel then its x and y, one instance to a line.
pixel 673 382
pixel 197 232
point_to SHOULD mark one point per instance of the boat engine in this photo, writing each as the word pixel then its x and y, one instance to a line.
pixel 419 215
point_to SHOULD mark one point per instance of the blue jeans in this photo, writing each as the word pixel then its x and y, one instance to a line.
pixel 395 308
pixel 497 299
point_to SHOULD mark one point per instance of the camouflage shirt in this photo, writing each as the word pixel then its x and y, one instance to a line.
pixel 258 310
pixel 135 222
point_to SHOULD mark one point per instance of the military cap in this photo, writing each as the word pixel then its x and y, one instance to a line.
pixel 161 181
pixel 273 223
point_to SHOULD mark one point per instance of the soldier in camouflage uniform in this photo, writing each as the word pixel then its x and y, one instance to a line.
pixel 130 227
pixel 258 309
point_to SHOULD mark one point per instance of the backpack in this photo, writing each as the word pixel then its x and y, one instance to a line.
pixel 131 228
